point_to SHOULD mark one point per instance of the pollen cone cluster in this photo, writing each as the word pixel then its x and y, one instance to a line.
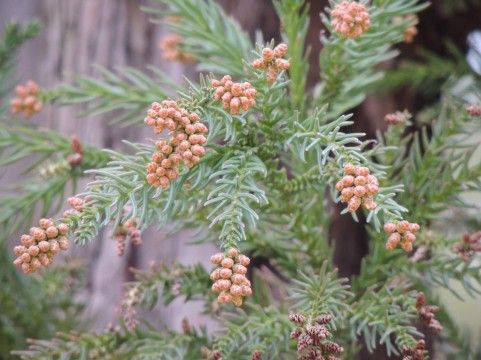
pixel 272 61
pixel 229 277
pixel 39 247
pixel 234 96
pixel 312 338
pixel 402 234
pixel 185 144
pixel 350 19
pixel 26 99
pixel 171 46
pixel 469 245
pixel 127 230
pixel 358 187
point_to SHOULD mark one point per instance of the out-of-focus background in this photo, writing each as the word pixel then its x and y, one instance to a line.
pixel 116 33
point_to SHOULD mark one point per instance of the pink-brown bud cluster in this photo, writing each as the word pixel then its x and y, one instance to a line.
pixel 350 19
pixel 469 245
pixel 229 277
pixel 426 313
pixel 235 96
pixel 76 158
pixel 402 233
pixel 26 99
pixel 171 46
pixel 186 142
pixel 272 61
pixel 76 205
pixel 312 338
pixel 398 118
pixel 417 352
pixel 210 354
pixel 39 247
pixel 124 231
pixel 358 187
pixel 473 110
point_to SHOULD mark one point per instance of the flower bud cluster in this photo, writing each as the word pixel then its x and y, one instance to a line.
pixel 473 110
pixel 235 96
pixel 415 353
pixel 26 99
pixel 186 142
pixel 358 187
pixel 350 19
pixel 210 354
pixel 39 247
pixel 469 245
pixel 398 118
pixel 312 338
pixel 127 229
pixel 402 233
pixel 76 158
pixel 272 61
pixel 229 277
pixel 426 313
pixel 171 46
pixel 76 205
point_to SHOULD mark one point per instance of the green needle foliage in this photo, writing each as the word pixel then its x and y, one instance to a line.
pixel 263 186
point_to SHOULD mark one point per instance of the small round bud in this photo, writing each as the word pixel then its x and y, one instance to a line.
pixel 52 232
pixel 232 252
pixel 389 228
pixel 227 263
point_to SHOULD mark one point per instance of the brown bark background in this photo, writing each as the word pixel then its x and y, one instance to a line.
pixel 115 33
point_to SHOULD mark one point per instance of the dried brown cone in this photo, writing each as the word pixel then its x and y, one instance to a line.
pixel 427 313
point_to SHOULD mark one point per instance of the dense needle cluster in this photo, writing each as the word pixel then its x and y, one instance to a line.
pixel 229 277
pixel 235 96
pixel 39 247
pixel 358 187
pixel 426 313
pixel 26 99
pixel 186 142
pixel 470 244
pixel 350 19
pixel 127 230
pixel 171 46
pixel 272 61
pixel 402 234
pixel 312 338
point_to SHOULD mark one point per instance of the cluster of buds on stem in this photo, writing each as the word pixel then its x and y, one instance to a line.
pixel 417 352
pixel 75 159
pixel 210 354
pixel 398 118
pixel 469 245
pixel 350 19
pixel 402 233
pixel 358 187
pixel 171 46
pixel 39 247
pixel 312 338
pixel 128 306
pixel 272 61
pixel 473 110
pixel 426 313
pixel 229 277
pixel 26 99
pixel 186 142
pixel 76 205
pixel 235 96
pixel 127 230
pixel 411 31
